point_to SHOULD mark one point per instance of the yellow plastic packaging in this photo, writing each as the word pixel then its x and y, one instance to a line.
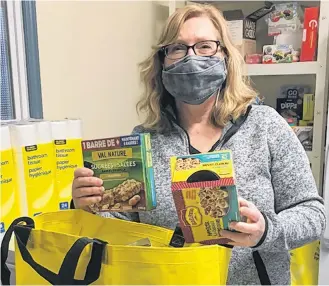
pixel 10 206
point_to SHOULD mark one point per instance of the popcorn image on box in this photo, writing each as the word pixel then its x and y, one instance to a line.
pixel 125 166
pixel 205 195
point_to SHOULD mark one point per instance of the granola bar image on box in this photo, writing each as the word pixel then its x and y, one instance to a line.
pixel 125 192
pixel 125 166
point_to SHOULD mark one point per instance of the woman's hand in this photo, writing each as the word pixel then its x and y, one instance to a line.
pixel 251 231
pixel 86 189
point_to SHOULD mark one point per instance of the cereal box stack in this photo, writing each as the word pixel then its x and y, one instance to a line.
pixel 125 166
pixel 205 195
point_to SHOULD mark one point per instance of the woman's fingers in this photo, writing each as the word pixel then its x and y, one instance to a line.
pixel 252 214
pixel 86 182
pixel 243 202
pixel 87 191
pixel 83 172
pixel 240 238
pixel 244 227
pixel 86 201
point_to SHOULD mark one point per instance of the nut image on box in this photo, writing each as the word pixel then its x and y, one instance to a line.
pixel 125 166
pixel 205 195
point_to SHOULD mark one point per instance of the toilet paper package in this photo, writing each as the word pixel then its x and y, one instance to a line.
pixel 67 137
pixel 34 160
pixel 10 205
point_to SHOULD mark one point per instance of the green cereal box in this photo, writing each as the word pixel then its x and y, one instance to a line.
pixel 205 195
pixel 125 166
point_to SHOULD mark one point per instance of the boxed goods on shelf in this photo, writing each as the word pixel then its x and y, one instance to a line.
pixel 279 54
pixel 125 166
pixel 295 35
pixel 285 17
pixel 305 136
pixel 308 107
pixel 310 34
pixel 297 103
pixel 243 28
pixel 297 107
pixel 254 58
pixel 205 195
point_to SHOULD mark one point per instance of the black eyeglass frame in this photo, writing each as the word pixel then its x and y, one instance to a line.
pixel 163 49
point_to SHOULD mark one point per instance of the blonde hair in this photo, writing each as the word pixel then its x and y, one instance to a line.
pixel 237 95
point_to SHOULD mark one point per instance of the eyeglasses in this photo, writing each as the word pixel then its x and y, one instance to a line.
pixel 204 48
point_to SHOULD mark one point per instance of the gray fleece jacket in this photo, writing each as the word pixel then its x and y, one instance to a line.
pixel 272 171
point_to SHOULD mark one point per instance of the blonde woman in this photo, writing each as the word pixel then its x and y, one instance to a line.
pixel 197 100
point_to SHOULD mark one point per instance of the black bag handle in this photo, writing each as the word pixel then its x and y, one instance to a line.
pixel 5 272
pixel 261 269
pixel 67 270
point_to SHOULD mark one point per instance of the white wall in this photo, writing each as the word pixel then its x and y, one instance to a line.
pixel 89 52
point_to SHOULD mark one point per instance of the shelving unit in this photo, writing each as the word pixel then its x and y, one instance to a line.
pixel 282 69
pixel 265 75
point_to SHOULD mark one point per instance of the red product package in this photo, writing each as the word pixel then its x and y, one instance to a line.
pixel 254 59
pixel 310 34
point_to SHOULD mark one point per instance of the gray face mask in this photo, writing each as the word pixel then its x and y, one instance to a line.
pixel 194 79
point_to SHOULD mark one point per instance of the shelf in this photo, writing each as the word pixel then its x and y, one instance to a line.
pixel 312 157
pixel 309 155
pixel 282 69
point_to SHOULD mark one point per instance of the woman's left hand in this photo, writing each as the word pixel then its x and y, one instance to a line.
pixel 251 231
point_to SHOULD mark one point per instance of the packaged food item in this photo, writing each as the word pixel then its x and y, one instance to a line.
pixel 243 28
pixel 305 136
pixel 205 195
pixel 291 121
pixel 125 166
pixel 290 38
pixel 296 101
pixel 254 59
pixel 308 107
pixel 290 108
pixel 305 123
pixel 285 17
pixel 310 34
pixel 273 54
pixel 292 91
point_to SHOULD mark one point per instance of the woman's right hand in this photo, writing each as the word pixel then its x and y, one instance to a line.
pixel 86 189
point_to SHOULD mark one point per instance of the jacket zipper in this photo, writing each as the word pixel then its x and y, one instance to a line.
pixel 224 138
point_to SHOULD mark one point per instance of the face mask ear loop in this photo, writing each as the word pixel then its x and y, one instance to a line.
pixel 217 96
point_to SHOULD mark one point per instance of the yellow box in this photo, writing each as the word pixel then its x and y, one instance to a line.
pixel 205 195
pixel 308 107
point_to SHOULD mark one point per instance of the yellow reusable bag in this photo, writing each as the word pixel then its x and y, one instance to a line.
pixel 77 248
pixel 304 264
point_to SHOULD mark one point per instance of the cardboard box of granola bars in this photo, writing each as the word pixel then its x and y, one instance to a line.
pixel 205 195
pixel 125 166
